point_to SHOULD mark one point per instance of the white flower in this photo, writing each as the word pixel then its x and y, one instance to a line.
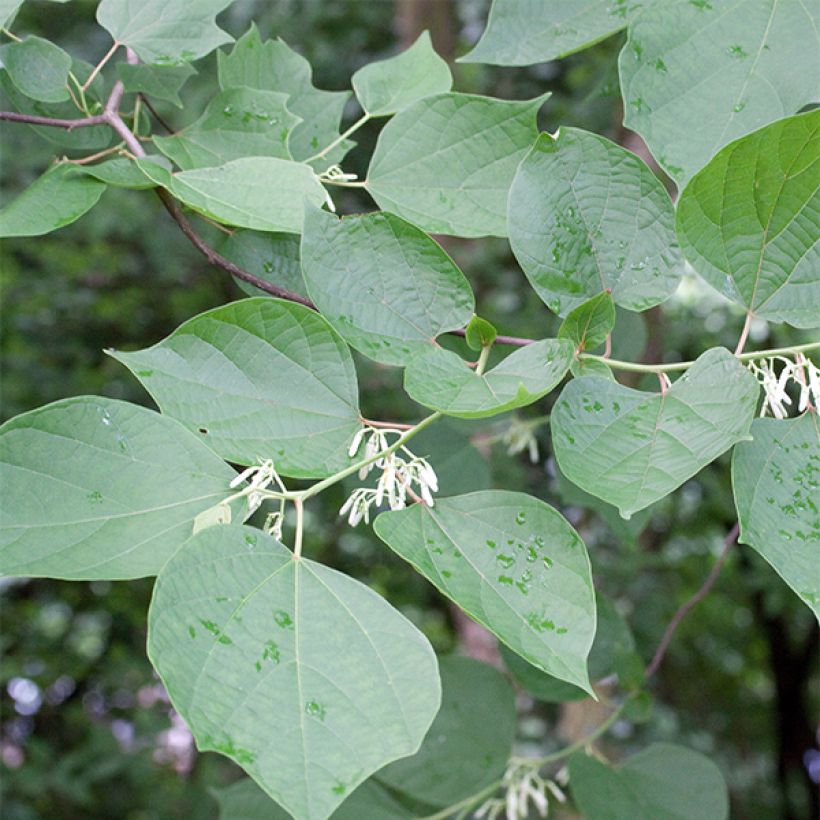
pixel 523 786
pixel 807 375
pixel 520 436
pixel 775 397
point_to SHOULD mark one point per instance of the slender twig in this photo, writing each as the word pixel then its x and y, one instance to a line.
pixel 92 157
pixel 53 122
pixel 341 138
pixel 744 334
pixel 147 103
pixel 97 68
pixel 390 425
pixel 515 341
pixel 660 652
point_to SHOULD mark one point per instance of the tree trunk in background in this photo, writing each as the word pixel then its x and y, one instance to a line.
pixel 438 16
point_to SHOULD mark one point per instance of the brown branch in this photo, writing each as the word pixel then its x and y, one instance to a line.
pixel 147 103
pixel 707 585
pixel 54 122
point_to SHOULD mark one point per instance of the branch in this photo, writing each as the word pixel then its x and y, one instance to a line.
pixel 660 652
pixel 69 125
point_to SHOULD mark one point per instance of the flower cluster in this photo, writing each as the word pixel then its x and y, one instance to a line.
pixel 259 478
pixel 520 436
pixel 523 785
pixel 800 371
pixel 400 470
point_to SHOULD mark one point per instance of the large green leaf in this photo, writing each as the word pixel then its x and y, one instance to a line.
pixel 749 221
pixel 97 488
pixel 588 325
pixel 303 676
pixel 159 82
pixel 442 380
pixel 697 75
pixel 776 481
pixel 662 781
pixel 273 257
pixel 258 378
pixel 512 563
pixel 613 646
pixel 586 215
pixel 166 32
pixel 263 193
pixel 123 173
pixel 470 742
pixel 8 8
pixel 385 285
pixel 59 197
pixel 523 32
pixel 239 122
pixel 273 66
pixel 631 448
pixel 38 68
pixel 446 162
pixel 387 86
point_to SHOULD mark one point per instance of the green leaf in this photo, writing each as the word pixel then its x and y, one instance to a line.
pixel 613 643
pixel 263 193
pixel 446 162
pixel 94 138
pixel 159 82
pixel 586 215
pixel 728 66
pixel 59 197
pixel 470 742
pixel 663 780
pixel 385 285
pixel 165 32
pixel 38 68
pixel 479 333
pixel 776 481
pixel 239 122
pixel 513 564
pixel 97 488
pixel 388 86
pixel 442 380
pixel 258 378
pixel 8 8
pixel 273 66
pixel 524 32
pixel 123 173
pixel 631 448
pixel 749 221
pixel 303 676
pixel 273 257
pixel 588 325
pixel 244 800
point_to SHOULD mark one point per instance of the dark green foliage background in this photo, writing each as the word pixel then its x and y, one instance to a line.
pixel 735 684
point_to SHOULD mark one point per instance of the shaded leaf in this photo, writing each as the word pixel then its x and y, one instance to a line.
pixel 446 162
pixel 442 380
pixel 588 325
pixel 749 221
pixel 247 639
pixel 387 86
pixel 479 333
pixel 239 122
pixel 586 215
pixel 776 482
pixel 165 32
pixel 512 563
pixel 631 448
pixel 385 285
pixel 38 68
pixel 730 66
pixel 159 82
pixel 59 197
pixel 258 378
pixel 123 173
pixel 470 742
pixel 97 488
pixel 661 781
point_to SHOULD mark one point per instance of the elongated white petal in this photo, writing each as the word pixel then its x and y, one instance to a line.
pixel 357 441
pixel 242 476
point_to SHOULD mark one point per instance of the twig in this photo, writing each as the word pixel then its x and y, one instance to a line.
pixel 744 334
pixel 147 103
pixel 660 652
pixel 97 68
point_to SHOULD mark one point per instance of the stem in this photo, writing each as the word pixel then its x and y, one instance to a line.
pixel 744 334
pixel 660 652
pixel 97 68
pixel 466 803
pixel 354 468
pixel 389 425
pixel 341 183
pixel 481 365
pixel 341 138
pixel 11 36
pixel 297 540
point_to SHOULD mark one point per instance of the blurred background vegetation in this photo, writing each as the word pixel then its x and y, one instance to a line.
pixel 86 729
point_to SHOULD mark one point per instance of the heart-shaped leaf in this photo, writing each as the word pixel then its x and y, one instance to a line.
pixel 455 180
pixel 470 742
pixel 442 380
pixel 258 378
pixel 776 481
pixel 38 68
pixel 749 221
pixel 306 678
pixel 664 780
pixel 584 216
pixel 97 488
pixel 631 448
pixel 385 285
pixel 512 563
